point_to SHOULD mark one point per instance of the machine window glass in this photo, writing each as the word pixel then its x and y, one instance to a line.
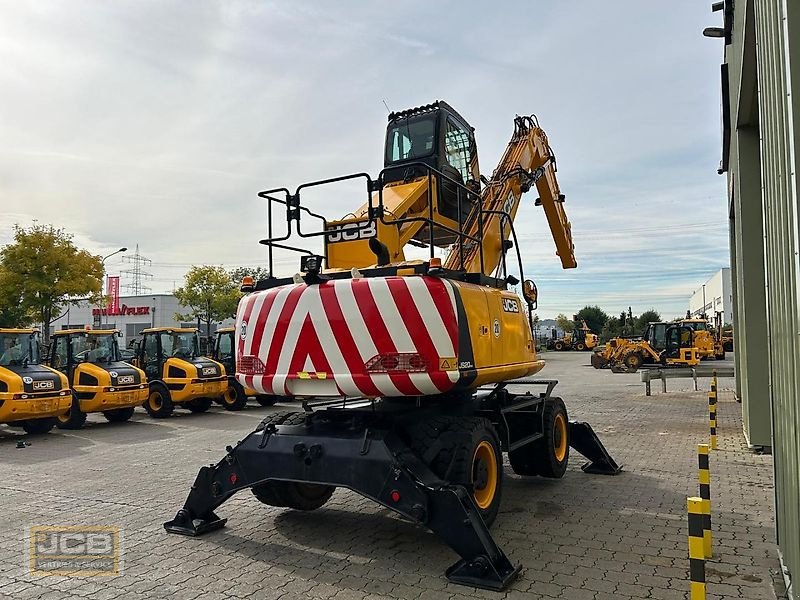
pixel 80 347
pixel 659 336
pixel 180 345
pixel 60 353
pixel 102 348
pixel 15 348
pixel 225 346
pixel 410 139
pixel 457 148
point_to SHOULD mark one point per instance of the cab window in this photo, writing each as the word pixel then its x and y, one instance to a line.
pixel 457 148
pixel 225 350
pixel 60 353
pixel 411 139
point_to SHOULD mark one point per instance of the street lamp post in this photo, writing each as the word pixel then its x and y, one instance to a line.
pixel 703 312
pixel 98 320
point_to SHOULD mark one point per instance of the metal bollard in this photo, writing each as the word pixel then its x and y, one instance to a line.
pixel 704 478
pixel 712 413
pixel 697 562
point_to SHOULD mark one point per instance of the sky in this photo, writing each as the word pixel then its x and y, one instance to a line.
pixel 156 123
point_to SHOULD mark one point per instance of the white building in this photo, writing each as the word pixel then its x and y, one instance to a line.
pixel 135 313
pixel 715 295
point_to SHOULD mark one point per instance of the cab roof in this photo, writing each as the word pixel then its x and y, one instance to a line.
pixel 170 329
pixel 86 331
pixel 18 330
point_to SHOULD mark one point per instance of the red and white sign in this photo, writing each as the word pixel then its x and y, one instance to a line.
pixel 112 291
pixel 121 311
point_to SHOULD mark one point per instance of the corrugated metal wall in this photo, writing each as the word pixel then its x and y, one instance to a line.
pixel 775 25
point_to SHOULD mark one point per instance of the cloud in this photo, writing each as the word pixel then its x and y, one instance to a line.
pixel 158 122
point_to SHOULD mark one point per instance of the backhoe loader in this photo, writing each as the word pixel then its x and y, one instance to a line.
pixel 31 394
pixel 100 381
pixel 405 368
pixel 176 373
pixel 236 395
pixel 667 344
pixel 580 339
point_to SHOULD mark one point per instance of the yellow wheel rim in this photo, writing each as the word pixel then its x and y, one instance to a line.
pixel 560 437
pixel 484 475
pixel 230 396
pixel 65 417
pixel 155 401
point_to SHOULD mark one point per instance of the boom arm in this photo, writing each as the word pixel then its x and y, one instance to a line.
pixel 528 160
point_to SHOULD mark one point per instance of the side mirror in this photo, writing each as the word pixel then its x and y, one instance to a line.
pixel 530 293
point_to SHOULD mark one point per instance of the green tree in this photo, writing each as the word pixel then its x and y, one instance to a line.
pixel 257 273
pixel 612 329
pixel 564 324
pixel 594 316
pixel 42 272
pixel 646 317
pixel 210 295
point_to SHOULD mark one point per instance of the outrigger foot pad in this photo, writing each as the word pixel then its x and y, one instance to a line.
pixel 482 572
pixel 184 524
pixel 583 438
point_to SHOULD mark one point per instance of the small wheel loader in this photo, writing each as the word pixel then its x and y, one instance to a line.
pixel 236 395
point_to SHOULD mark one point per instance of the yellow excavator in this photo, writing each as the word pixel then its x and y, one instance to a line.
pixel 405 367
pixel 32 395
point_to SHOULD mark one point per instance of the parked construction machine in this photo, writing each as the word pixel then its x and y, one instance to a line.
pixel 100 381
pixel 581 338
pixel 31 394
pixel 236 395
pixel 706 339
pixel 406 368
pixel 176 373
pixel 667 344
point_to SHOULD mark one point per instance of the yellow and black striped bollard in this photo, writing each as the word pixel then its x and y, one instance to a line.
pixel 704 478
pixel 712 411
pixel 697 562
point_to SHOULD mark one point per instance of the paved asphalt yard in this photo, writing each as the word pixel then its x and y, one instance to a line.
pixel 582 537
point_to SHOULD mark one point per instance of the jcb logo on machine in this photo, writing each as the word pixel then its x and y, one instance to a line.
pixel 122 379
pixel 43 385
pixel 209 370
pixel 510 305
pixel 352 231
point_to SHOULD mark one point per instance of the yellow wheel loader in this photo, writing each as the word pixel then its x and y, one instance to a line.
pixel 405 368
pixel 580 339
pixel 100 381
pixel 177 375
pixel 236 395
pixel 708 343
pixel 32 395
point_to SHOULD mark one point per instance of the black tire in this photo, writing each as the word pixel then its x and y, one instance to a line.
pixel 465 451
pixel 282 418
pixel 234 397
pixel 118 415
pixel 74 418
pixel 199 405
pixel 559 345
pixel 632 361
pixel 580 346
pixel 267 400
pixel 549 455
pixel 159 403
pixel 38 426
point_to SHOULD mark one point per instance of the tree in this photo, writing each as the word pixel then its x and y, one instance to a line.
pixel 42 272
pixel 564 324
pixel 612 329
pixel 209 293
pixel 239 273
pixel 645 318
pixel 594 316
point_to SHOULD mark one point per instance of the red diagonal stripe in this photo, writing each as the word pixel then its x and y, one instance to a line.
pixel 443 303
pixel 308 345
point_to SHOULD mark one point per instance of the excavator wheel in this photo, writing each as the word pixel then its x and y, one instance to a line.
pixel 74 418
pixel 158 404
pixel 559 345
pixel 118 415
pixel 632 361
pixel 549 455
pixel 290 494
pixel 234 397
pixel 199 405
pixel 466 451
pixel 580 346
pixel 38 426
pixel 598 362
pixel 267 399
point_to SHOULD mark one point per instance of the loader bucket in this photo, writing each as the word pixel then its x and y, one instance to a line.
pixel 583 438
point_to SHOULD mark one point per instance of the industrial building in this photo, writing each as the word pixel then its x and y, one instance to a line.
pixel 713 297
pixel 132 314
pixel 761 140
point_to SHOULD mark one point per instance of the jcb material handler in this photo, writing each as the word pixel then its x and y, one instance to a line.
pixel 31 394
pixel 236 395
pixel 99 380
pixel 405 368
pixel 177 375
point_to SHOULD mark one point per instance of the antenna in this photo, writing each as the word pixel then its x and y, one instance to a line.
pixel 136 275
pixel 389 110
